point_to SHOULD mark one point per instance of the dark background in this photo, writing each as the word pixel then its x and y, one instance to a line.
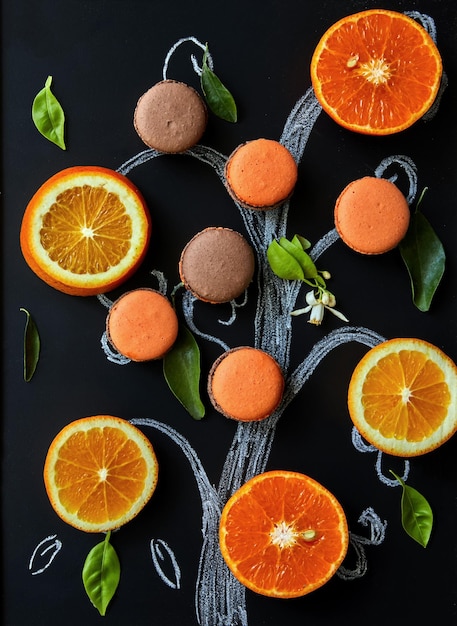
pixel 103 54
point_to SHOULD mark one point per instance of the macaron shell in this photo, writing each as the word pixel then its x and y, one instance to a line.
pixel 261 174
pixel 371 215
pixel 246 384
pixel 217 265
pixel 142 325
pixel 170 117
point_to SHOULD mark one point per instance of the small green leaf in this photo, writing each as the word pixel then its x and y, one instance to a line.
pixel 181 368
pixel 320 281
pixel 303 258
pixel 48 115
pixel 101 574
pixel 416 514
pixel 424 257
pixel 300 241
pixel 31 346
pixel 283 263
pixel 218 97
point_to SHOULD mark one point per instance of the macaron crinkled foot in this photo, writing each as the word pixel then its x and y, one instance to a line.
pixel 261 174
pixel 246 384
pixel 170 117
pixel 371 215
pixel 217 265
pixel 142 325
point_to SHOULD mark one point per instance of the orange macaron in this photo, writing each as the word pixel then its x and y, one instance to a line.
pixel 371 215
pixel 142 325
pixel 261 174
pixel 246 384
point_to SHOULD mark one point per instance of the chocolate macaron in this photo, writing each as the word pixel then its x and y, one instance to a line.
pixel 142 325
pixel 371 215
pixel 246 384
pixel 217 265
pixel 170 117
pixel 261 174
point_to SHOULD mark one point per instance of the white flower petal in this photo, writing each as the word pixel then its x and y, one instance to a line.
pixel 311 298
pixel 301 311
pixel 317 314
pixel 338 314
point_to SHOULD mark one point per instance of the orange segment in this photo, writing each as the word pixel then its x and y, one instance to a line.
pixel 376 72
pixel 86 230
pixel 103 226
pixel 402 397
pixel 99 473
pixel 282 534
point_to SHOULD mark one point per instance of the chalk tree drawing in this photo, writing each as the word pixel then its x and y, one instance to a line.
pixel 219 598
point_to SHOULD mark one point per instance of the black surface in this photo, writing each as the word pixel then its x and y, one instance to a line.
pixel 103 54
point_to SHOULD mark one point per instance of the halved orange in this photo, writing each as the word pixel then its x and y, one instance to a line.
pixel 86 230
pixel 376 72
pixel 283 534
pixel 402 397
pixel 99 472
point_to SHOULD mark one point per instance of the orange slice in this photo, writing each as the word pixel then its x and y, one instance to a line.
pixel 402 397
pixel 376 72
pixel 86 230
pixel 99 473
pixel 282 534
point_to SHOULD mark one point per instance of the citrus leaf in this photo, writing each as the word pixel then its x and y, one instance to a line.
pixel 283 263
pixel 303 258
pixel 181 368
pixel 424 257
pixel 300 241
pixel 48 115
pixel 217 96
pixel 101 574
pixel 417 515
pixel 31 346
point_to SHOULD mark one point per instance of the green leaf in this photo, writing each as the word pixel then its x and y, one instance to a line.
pixel 416 514
pixel 300 241
pixel 101 574
pixel 303 258
pixel 31 346
pixel 48 115
pixel 424 257
pixel 181 368
pixel 283 263
pixel 217 96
